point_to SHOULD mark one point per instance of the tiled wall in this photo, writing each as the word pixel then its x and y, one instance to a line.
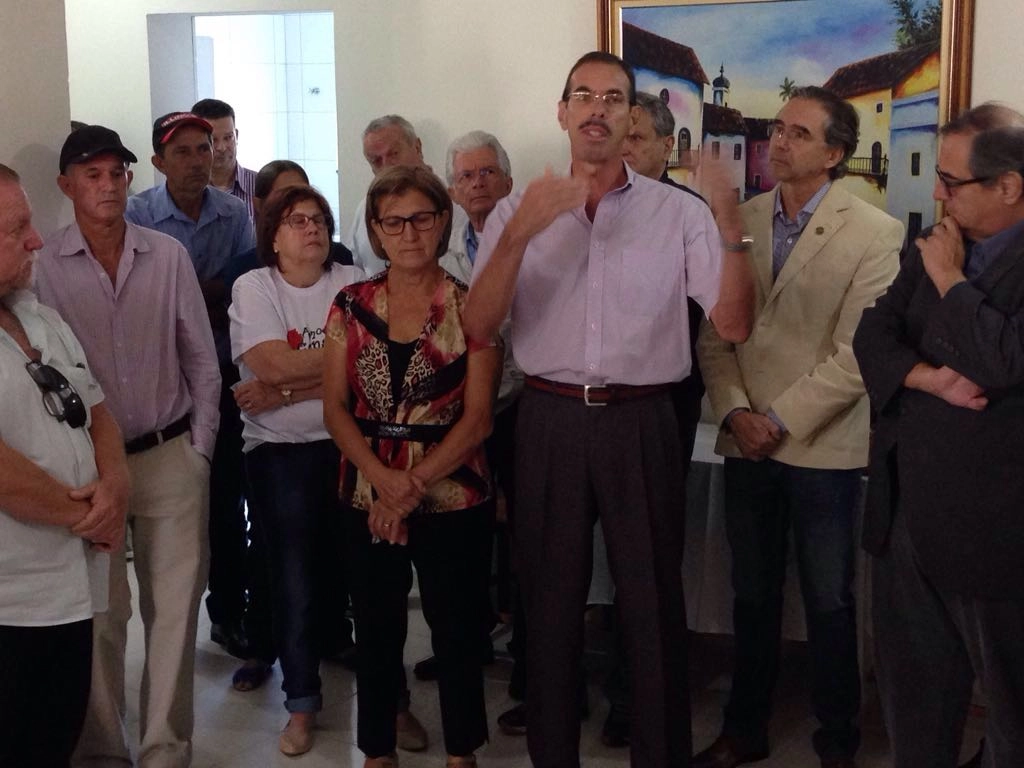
pixel 277 71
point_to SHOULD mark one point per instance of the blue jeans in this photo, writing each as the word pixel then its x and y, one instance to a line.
pixel 294 495
pixel 762 501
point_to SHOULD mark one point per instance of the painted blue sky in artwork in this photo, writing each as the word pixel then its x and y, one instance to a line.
pixel 760 43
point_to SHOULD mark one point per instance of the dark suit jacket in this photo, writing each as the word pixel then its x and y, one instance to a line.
pixel 956 474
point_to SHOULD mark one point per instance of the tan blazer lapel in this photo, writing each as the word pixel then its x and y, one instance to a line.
pixel 819 230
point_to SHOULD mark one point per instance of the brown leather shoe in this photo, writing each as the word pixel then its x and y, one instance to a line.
pixel 724 752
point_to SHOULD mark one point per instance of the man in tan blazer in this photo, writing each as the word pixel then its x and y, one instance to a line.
pixel 795 424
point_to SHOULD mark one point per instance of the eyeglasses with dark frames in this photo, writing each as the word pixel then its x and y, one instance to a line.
pixel 952 182
pixel 422 221
pixel 59 398
pixel 300 220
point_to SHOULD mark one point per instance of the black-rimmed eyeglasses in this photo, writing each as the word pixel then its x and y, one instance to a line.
pixel 59 398
pixel 422 221
pixel 952 182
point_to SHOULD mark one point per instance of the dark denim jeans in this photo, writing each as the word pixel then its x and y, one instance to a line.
pixel 294 495
pixel 763 500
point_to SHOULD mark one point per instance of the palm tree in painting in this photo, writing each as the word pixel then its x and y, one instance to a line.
pixel 916 26
pixel 786 88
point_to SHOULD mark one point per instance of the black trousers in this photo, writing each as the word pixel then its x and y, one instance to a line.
pixel 44 687
pixel 451 552
pixel 930 645
pixel 228 562
pixel 619 464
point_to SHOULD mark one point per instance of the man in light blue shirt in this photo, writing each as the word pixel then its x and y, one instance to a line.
pixel 215 228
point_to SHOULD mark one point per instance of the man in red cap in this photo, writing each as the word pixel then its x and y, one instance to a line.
pixel 215 228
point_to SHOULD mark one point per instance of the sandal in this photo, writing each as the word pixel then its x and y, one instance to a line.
pixel 297 737
pixel 251 675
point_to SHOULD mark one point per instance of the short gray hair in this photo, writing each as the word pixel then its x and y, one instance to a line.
pixel 997 146
pixel 387 121
pixel 984 117
pixel 997 151
pixel 661 115
pixel 476 140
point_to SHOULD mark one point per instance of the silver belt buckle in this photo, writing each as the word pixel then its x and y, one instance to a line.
pixel 586 395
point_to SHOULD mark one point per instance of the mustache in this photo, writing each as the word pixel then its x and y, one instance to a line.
pixel 595 122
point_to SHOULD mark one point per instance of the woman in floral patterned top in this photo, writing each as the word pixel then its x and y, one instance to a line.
pixel 408 400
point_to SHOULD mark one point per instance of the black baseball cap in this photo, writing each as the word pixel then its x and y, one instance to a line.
pixel 90 140
pixel 165 127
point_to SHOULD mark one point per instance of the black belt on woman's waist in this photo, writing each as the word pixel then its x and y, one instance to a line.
pixel 417 433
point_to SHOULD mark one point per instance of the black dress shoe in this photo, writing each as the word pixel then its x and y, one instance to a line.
pixel 725 752
pixel 426 669
pixel 232 639
pixel 513 721
pixel 838 762
pixel 615 731
pixel 975 762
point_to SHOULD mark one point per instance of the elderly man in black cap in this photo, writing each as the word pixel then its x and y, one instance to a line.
pixel 131 295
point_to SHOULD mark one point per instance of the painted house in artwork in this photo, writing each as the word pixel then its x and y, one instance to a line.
pixel 725 133
pixel 673 72
pixel 759 172
pixel 897 99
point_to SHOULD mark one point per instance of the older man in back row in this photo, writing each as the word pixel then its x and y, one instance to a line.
pixel 388 141
pixel 943 362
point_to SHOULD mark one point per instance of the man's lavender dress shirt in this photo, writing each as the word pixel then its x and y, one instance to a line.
pixel 604 302
pixel 148 338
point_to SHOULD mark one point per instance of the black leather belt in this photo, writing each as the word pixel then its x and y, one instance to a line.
pixel 153 439
pixel 609 394
pixel 417 433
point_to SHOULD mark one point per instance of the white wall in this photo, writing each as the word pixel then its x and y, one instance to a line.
pixel 34 118
pixel 449 67
pixel 998 56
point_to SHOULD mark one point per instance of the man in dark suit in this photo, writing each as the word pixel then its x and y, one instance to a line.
pixel 943 361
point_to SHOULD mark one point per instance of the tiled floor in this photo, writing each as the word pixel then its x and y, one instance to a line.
pixel 239 730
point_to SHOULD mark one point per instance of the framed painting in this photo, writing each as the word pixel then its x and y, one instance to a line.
pixel 725 67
